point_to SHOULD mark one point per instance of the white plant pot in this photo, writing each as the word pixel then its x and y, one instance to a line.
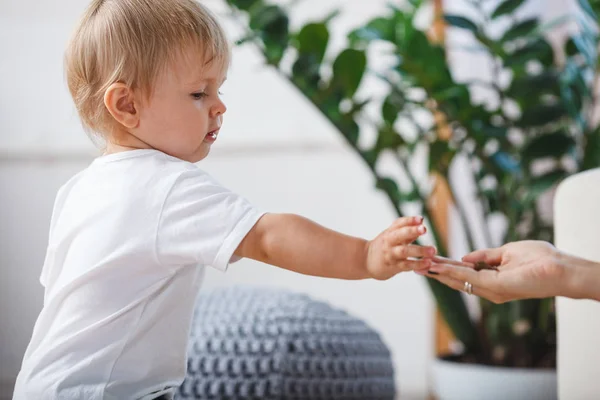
pixel 459 381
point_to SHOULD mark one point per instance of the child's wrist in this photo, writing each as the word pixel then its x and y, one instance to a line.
pixel 367 248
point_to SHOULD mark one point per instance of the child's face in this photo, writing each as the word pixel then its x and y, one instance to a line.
pixel 184 113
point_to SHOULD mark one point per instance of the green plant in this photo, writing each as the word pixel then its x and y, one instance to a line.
pixel 536 130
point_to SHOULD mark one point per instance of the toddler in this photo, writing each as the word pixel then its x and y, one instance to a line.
pixel 131 235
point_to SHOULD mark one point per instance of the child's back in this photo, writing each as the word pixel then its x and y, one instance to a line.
pixel 121 279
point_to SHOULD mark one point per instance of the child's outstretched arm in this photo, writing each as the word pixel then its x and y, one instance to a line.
pixel 300 245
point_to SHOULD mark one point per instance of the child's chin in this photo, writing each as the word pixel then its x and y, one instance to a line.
pixel 201 155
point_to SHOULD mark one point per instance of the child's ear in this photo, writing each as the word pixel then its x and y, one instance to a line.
pixel 119 99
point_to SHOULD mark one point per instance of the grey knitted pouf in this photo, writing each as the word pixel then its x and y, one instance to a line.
pixel 258 343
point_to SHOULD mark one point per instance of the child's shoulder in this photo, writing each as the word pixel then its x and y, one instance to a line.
pixel 151 169
pixel 146 162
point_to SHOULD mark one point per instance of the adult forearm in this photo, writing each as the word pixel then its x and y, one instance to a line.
pixel 300 245
pixel 583 277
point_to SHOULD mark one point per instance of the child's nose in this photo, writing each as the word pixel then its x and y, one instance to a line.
pixel 219 109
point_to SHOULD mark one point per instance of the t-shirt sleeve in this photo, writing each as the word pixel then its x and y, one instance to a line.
pixel 202 222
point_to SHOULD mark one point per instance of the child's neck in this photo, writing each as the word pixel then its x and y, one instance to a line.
pixel 125 143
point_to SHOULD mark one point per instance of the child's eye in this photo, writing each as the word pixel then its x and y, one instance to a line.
pixel 199 95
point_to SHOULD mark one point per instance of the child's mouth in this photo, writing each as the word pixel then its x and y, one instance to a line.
pixel 211 136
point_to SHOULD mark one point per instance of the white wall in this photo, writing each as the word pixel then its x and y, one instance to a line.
pixel 274 148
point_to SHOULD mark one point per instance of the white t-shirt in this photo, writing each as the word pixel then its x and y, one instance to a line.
pixel 129 239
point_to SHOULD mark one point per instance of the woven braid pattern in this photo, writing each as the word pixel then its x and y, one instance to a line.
pixel 257 343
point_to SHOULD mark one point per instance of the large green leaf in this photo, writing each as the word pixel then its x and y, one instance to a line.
pixel 453 98
pixel 521 29
pixel 540 114
pixel 574 95
pixel 461 22
pixel 272 25
pixel 595 4
pixel 492 198
pixel 389 186
pixel 370 156
pixel 269 19
pixel 482 131
pixel 388 138
pixel 348 70
pixel 305 74
pixel 591 156
pixel 381 28
pixel 545 182
pixel 530 87
pixel 574 76
pixel 416 3
pixel 507 7
pixel 536 50
pixel 349 129
pixel 392 106
pixel 575 92
pixel 571 48
pixel 245 5
pixel 423 63
pixel 554 145
pixel 313 39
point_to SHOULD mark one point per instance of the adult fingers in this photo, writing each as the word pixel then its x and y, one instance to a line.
pixel 444 260
pixel 485 279
pixel 460 285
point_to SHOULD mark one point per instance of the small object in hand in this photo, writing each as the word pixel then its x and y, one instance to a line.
pixel 479 265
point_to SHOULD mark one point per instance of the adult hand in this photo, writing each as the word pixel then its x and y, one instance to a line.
pixel 527 269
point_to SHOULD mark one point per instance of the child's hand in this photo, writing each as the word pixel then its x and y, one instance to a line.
pixel 390 252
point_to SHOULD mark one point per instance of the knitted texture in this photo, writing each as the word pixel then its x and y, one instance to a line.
pixel 258 343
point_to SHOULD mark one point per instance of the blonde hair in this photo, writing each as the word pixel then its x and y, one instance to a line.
pixel 133 41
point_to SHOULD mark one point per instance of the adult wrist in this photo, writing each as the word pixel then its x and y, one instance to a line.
pixel 583 277
pixel 571 276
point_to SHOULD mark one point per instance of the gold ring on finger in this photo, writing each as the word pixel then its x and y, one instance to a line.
pixel 468 288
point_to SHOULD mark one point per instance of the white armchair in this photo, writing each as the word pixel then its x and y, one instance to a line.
pixel 577 231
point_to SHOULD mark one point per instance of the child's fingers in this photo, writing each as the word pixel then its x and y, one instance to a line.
pixel 412 251
pixel 414 265
pixel 407 221
pixel 406 234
